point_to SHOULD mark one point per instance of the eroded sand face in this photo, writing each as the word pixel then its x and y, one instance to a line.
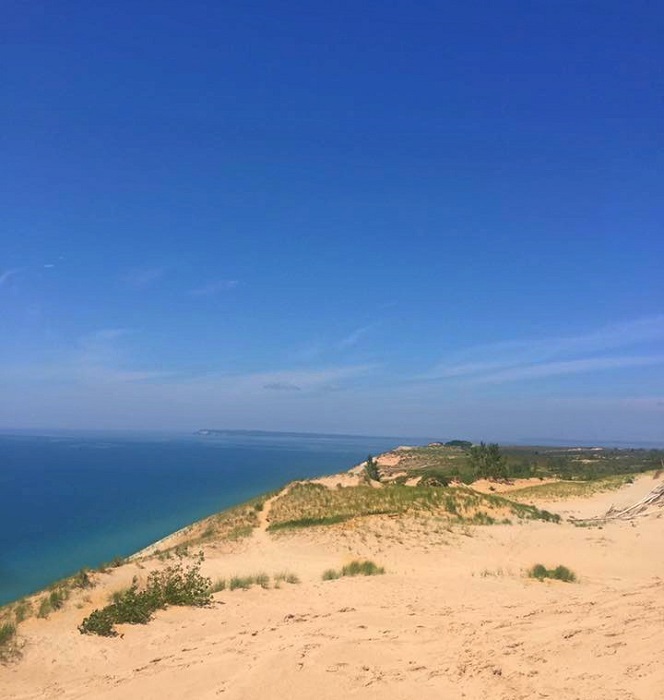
pixel 453 617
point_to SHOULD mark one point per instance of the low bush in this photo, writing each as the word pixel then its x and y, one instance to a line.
pixel 175 585
pixel 560 573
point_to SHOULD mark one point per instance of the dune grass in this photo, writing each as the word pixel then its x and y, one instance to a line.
pixel 571 489
pixel 247 581
pixel 309 504
pixel 357 567
pixel 8 647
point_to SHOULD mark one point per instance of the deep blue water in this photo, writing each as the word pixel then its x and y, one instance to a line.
pixel 74 501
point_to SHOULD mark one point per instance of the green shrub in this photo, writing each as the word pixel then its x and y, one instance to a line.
pixel 330 575
pixel 560 573
pixel 175 585
pixel 371 469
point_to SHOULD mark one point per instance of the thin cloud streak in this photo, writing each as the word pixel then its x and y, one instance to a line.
pixel 6 276
pixel 144 278
pixel 212 288
pixel 519 359
pixel 551 369
pixel 354 338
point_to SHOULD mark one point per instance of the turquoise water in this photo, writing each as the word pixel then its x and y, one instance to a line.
pixel 70 501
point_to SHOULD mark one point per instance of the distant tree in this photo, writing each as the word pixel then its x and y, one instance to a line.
pixel 488 462
pixel 463 444
pixel 371 468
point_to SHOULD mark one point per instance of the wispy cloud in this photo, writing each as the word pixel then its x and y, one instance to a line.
pixel 355 336
pixel 6 276
pixel 100 357
pixel 212 288
pixel 544 357
pixel 144 277
pixel 282 386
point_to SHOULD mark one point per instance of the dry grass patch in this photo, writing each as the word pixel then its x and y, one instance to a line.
pixel 560 490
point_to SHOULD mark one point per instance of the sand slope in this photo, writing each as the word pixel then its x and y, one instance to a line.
pixel 453 617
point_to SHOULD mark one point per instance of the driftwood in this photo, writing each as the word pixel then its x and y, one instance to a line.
pixel 654 499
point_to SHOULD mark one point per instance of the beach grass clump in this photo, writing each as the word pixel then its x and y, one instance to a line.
pixel 560 573
pixel 357 567
pixel 22 610
pixel 286 577
pixel 174 585
pixel 7 633
pixel 8 646
pixel 246 582
pixel 558 490
pixel 52 602
pixel 219 585
pixel 331 574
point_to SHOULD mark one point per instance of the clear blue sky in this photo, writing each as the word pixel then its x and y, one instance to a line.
pixel 434 218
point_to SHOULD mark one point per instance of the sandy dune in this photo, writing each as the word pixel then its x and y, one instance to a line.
pixel 453 617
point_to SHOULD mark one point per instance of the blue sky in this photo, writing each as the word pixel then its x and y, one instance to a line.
pixel 392 218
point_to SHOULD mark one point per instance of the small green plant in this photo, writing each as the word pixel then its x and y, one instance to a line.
pixel 560 573
pixel 286 576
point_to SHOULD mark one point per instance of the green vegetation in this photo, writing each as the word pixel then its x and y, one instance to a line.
pixel 8 648
pixel 458 460
pixel 309 504
pixel 569 489
pixel 463 444
pixel 230 525
pixel 53 601
pixel 175 585
pixel 356 568
pixel 287 577
pixel 260 579
pixel 560 573
pixel 488 462
pixel 371 469
pixel 245 582
pixel 22 610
